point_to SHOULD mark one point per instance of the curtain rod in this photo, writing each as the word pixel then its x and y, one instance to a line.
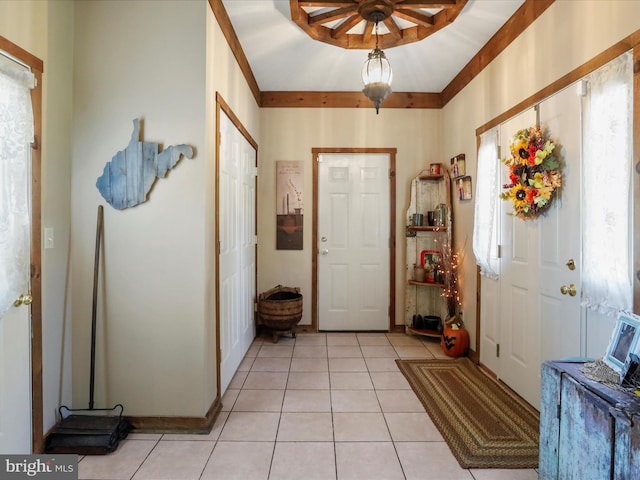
pixel 14 59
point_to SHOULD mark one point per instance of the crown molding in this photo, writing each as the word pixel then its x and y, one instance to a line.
pixel 234 44
pixel 528 12
pixel 284 99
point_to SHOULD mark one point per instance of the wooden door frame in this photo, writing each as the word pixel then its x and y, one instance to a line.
pixel 37 414
pixel 221 104
pixel 316 152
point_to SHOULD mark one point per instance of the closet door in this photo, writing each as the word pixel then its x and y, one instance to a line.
pixel 237 258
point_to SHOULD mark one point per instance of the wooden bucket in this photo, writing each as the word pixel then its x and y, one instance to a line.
pixel 280 308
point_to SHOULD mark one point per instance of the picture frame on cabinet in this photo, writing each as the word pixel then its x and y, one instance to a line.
pixel 458 168
pixel 624 342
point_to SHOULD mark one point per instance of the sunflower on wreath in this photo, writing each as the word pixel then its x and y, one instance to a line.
pixel 534 172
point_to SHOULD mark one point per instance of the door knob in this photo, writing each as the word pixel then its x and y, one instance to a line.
pixel 324 251
pixel 24 299
pixel 571 265
pixel 571 290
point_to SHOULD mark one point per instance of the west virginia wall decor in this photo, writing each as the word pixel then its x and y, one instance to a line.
pixel 128 178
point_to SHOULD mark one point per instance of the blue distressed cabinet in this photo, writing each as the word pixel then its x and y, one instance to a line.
pixel 587 430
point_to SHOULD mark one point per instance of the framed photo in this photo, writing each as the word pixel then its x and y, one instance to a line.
pixel 463 188
pixel 458 168
pixel 624 342
pixel 430 259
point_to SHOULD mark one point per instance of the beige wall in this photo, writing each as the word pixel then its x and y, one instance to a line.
pixel 133 61
pixel 567 35
pixel 56 211
pixel 291 133
pixel 160 61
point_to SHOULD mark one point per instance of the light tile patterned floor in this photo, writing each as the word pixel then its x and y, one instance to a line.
pixel 322 406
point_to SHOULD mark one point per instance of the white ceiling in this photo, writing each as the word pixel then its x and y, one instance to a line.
pixel 284 58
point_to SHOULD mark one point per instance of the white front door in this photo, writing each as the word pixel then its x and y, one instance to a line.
pixel 519 335
pixel 237 233
pixel 539 322
pixel 15 375
pixel 353 241
pixel 560 236
pixel 15 380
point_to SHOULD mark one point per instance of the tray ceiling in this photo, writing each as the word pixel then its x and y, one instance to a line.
pixel 284 57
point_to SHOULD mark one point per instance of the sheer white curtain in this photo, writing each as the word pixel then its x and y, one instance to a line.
pixel 16 133
pixel 484 227
pixel 607 200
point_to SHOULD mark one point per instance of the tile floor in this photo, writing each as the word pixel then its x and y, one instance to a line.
pixel 321 406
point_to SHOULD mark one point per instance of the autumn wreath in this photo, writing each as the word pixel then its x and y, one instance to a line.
pixel 534 172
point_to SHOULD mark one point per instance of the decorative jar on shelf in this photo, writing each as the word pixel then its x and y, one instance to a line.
pixel 440 215
pixel 418 273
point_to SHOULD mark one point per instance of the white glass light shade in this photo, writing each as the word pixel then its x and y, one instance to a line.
pixel 377 77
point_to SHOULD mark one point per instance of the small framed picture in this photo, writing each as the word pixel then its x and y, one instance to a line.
pixel 624 342
pixel 430 260
pixel 463 188
pixel 458 166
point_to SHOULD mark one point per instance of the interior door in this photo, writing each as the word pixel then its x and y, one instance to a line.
pixel 353 242
pixel 237 258
pixel 539 257
pixel 15 362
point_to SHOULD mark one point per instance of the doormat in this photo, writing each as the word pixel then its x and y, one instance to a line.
pixel 484 424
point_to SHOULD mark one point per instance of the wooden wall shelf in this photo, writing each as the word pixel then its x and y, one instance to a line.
pixel 426 228
pixel 426 284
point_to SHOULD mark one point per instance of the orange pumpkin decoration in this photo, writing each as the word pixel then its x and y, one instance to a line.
pixel 454 341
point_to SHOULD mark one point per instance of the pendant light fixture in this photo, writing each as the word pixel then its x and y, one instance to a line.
pixel 376 71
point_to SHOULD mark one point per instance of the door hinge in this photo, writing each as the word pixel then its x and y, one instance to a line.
pixel 499 151
pixel 320 159
pixel 498 350
pixel 255 171
pixel 558 411
pixel 499 253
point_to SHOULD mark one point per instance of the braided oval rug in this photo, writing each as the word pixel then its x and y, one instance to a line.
pixel 484 423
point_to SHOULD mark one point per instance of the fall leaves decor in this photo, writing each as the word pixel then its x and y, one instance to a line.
pixel 534 172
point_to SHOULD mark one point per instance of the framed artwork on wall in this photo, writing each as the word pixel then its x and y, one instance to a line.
pixel 463 188
pixel 458 167
pixel 289 205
